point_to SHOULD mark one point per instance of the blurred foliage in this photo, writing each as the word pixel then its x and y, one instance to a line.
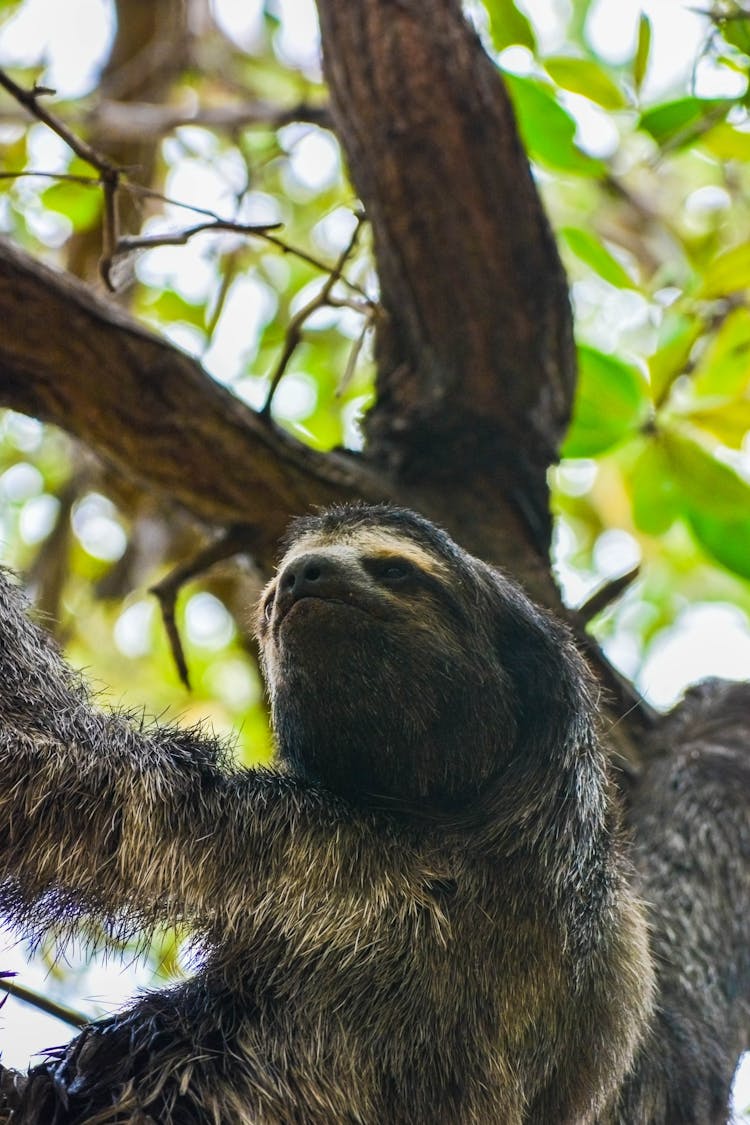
pixel 647 183
pixel 647 188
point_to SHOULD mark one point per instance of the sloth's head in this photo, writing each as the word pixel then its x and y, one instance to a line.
pixel 399 666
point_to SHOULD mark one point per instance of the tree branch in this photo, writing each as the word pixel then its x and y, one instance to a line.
pixel 320 300
pixel 135 121
pixel 31 100
pixel 476 364
pixel 43 1003
pixel 152 412
pixel 230 543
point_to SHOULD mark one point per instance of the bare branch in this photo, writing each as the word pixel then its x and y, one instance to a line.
pixel 112 179
pixel 151 412
pixel 31 100
pixel 128 244
pixel 294 328
pixel 181 237
pixel 603 597
pixel 67 177
pixel 43 1003
pixel 134 121
pixel 266 235
pixel 109 173
pixel 230 543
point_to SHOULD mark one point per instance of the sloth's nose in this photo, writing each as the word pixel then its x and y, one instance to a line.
pixel 314 575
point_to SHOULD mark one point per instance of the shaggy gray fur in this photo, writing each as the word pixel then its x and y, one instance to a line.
pixel 422 916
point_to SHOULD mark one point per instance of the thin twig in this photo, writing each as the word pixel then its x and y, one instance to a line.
pixel 30 100
pixel 605 595
pixel 167 597
pixel 43 1003
pixel 112 178
pixel 70 177
pixel 267 236
pixel 353 357
pixel 231 542
pixel 366 307
pixel 135 120
pixel 296 324
pixel 110 232
pixel 128 243
pixel 313 261
pixel 109 174
pixel 262 232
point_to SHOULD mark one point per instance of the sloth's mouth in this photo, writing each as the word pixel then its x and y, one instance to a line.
pixel 306 603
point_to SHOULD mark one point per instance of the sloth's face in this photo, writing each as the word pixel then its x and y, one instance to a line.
pixel 400 667
pixel 378 668
pixel 368 581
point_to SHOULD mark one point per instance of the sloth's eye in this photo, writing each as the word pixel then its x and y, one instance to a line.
pixel 268 606
pixel 396 572
pixel 393 571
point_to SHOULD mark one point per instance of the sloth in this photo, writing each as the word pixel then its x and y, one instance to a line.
pixel 421 914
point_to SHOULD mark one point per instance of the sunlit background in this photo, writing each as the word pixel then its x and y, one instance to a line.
pixel 684 618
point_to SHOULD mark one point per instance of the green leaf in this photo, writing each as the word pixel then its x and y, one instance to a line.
pixel 611 404
pixel 728 273
pixel 677 335
pixel 682 119
pixel 593 253
pixel 675 476
pixel 80 203
pixel 708 484
pixel 586 77
pixel 727 540
pixel 508 26
pixel 718 399
pixel 655 495
pixel 642 52
pixel 169 307
pixel 729 422
pixel 736 31
pixel 727 142
pixel 724 368
pixel 548 130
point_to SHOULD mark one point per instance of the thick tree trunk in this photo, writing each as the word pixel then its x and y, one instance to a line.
pixel 475 363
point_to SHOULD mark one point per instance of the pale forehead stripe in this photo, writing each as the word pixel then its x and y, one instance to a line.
pixel 373 541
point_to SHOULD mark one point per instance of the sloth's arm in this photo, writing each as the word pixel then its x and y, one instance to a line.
pixel 105 816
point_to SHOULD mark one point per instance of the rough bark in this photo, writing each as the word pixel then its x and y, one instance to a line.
pixel 152 413
pixel 476 365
